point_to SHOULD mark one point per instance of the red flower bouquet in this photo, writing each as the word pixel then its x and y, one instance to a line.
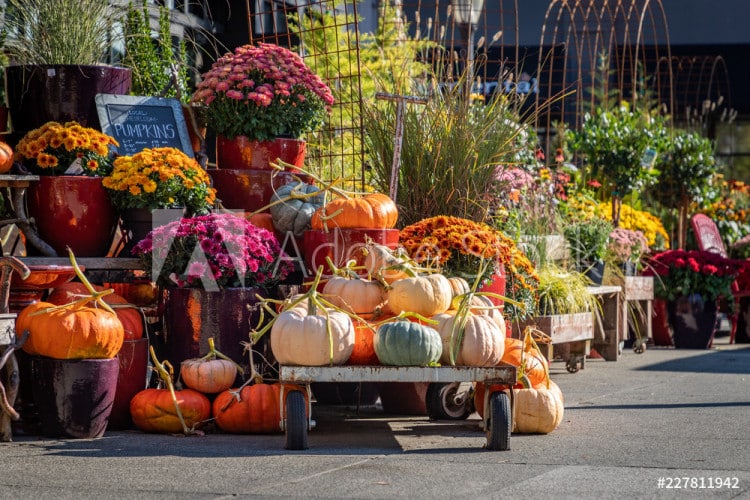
pixel 684 272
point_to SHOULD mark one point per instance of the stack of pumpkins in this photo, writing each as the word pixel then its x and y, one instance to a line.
pixel 208 381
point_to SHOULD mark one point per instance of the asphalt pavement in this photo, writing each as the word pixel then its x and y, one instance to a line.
pixel 663 424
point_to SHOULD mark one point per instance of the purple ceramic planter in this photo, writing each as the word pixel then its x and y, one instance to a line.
pixel 74 397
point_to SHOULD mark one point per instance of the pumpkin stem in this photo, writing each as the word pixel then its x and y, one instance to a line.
pixel 166 377
pixel 97 296
pixel 85 299
pixel 327 186
pixel 213 353
pixel 294 194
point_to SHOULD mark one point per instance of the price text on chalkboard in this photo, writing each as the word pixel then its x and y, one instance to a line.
pixel 138 123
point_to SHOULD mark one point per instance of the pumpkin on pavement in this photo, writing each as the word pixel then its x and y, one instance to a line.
pixel 253 409
pixel 211 374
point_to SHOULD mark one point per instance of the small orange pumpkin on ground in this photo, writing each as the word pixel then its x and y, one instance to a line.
pixel 211 374
pixel 253 409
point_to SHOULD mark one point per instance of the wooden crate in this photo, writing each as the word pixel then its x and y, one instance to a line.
pixel 639 288
pixel 561 328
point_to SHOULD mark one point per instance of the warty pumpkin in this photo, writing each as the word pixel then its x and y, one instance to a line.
pixel 470 339
pixel 293 205
pixel 423 295
pixel 253 409
pixel 153 410
pixel 355 295
pixel 406 343
pixel 375 210
pixel 129 315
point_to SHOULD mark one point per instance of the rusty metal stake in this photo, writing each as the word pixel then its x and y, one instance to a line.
pixel 401 102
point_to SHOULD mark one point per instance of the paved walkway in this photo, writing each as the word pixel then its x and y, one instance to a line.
pixel 631 429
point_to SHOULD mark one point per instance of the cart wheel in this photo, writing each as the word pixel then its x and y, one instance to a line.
pixel 498 422
pixel 453 401
pixel 572 365
pixel 296 421
pixel 639 348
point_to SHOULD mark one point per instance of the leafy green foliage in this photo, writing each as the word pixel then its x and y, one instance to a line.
pixel 588 239
pixel 563 292
pixel 685 168
pixel 158 68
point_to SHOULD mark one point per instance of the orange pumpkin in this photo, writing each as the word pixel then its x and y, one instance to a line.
pixel 364 351
pixel 132 321
pixel 535 361
pixel 153 410
pixel 263 220
pixel 6 157
pixel 374 210
pixel 255 410
pixel 72 331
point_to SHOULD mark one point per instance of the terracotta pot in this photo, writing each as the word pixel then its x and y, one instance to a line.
pixel 192 316
pixel 42 278
pixel 341 245
pixel 133 370
pixel 74 397
pixel 75 211
pixel 248 189
pixel 242 153
pixel 60 92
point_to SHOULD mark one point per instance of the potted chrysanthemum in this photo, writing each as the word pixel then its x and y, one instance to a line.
pixel 68 204
pixel 157 179
pixel 213 268
pixel 260 93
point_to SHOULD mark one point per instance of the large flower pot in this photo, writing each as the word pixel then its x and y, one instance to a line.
pixel 693 321
pixel 249 189
pixel 74 211
pixel 136 223
pixel 74 397
pixel 341 245
pixel 61 92
pixel 192 316
pixel 242 153
pixel 132 378
pixel 661 334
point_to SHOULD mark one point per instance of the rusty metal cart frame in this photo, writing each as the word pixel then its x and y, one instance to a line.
pixel 297 419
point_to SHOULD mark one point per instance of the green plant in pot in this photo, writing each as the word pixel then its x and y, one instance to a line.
pixel 588 241
pixel 58 49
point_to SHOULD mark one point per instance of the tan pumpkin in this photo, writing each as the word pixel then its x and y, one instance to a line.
pixel 459 286
pixel 483 305
pixel 481 342
pixel 424 295
pixel 312 337
pixel 375 210
pixel 358 296
pixel 209 376
pixel 537 410
pixel 383 263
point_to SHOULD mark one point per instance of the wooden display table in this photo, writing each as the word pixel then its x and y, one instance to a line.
pixel 570 336
pixel 639 289
pixel 97 269
pixel 609 328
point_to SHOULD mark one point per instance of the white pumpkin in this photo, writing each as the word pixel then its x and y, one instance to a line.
pixel 302 339
pixel 359 296
pixel 425 295
pixel 537 410
pixel 482 341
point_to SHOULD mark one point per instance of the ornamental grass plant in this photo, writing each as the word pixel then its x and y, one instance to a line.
pixel 213 251
pixel 262 92
pixel 59 31
pixel 158 178
pixel 66 149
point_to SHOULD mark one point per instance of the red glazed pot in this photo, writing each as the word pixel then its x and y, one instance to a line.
pixel 248 190
pixel 75 211
pixel 341 245
pixel 660 324
pixel 242 153
pixel 133 359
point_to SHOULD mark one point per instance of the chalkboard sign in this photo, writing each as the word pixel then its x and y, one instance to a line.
pixel 143 122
